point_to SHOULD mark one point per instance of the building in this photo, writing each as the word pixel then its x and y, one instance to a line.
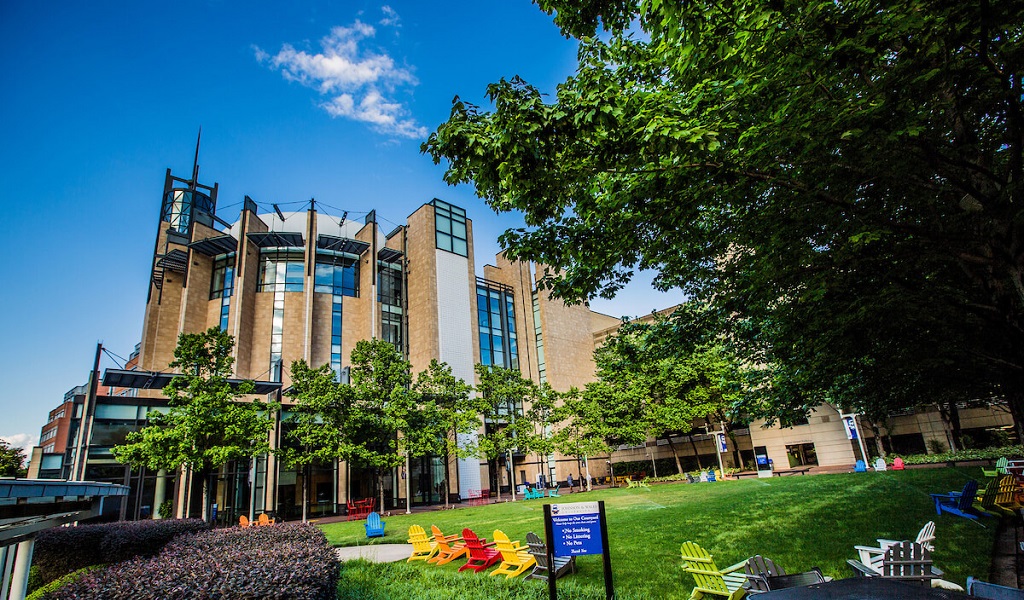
pixel 310 285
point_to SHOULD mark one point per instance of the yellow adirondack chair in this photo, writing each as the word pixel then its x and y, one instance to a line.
pixel 727 582
pixel 423 548
pixel 515 558
pixel 1007 495
pixel 449 547
pixel 988 500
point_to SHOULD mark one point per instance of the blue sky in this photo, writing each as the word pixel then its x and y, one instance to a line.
pixel 325 100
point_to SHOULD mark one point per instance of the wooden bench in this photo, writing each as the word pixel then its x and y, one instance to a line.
pixel 785 472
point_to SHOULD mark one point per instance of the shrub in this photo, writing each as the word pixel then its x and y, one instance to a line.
pixel 284 561
pixel 960 455
pixel 62 550
pixel 60 582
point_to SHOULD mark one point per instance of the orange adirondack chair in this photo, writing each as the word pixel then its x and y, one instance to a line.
pixel 481 553
pixel 449 547
pixel 243 521
pixel 263 520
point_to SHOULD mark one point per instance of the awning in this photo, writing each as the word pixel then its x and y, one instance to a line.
pixel 275 239
pixel 339 244
pixel 149 380
pixel 175 260
pixel 222 244
pixel 389 255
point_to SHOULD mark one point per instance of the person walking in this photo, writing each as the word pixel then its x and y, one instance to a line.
pixel 569 480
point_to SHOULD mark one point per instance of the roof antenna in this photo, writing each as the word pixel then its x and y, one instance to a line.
pixel 195 161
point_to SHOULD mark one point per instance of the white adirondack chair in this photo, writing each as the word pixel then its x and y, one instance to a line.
pixel 872 556
pixel 880 464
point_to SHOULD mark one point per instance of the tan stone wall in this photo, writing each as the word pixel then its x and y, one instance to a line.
pixel 196 293
pixel 321 343
pixel 824 429
pixel 242 318
pixel 422 289
pixel 259 347
pixel 568 343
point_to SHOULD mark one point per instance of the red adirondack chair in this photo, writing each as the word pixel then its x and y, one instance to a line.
pixel 481 553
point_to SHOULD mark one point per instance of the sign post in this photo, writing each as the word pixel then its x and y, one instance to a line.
pixel 574 530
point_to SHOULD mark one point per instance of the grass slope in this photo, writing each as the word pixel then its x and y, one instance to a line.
pixel 799 522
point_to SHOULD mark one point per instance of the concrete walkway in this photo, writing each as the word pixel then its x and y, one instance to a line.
pixel 381 553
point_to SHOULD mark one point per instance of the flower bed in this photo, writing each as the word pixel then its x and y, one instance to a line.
pixel 63 550
pixel 284 561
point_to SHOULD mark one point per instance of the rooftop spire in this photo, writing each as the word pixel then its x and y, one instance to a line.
pixel 195 161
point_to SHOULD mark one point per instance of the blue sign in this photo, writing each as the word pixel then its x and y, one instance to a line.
pixel 721 442
pixel 576 529
pixel 851 428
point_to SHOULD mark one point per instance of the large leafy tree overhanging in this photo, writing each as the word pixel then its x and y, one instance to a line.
pixel 208 423
pixel 842 181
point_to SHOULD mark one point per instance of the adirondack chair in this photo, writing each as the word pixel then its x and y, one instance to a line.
pixel 243 521
pixel 704 477
pixel 758 569
pixel 563 564
pixel 980 589
pixel 481 553
pixel 1000 468
pixel 880 464
pixel 515 558
pixel 987 504
pixel 925 537
pixel 423 548
pixel 554 493
pixel 374 526
pixel 263 520
pixel 958 503
pixel 727 582
pixel 691 478
pixel 860 467
pixel 449 547
pixel 1007 497
pixel 906 561
pixel 897 464
pixel 711 475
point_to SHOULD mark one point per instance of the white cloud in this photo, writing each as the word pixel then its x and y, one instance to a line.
pixel 390 18
pixel 21 440
pixel 352 77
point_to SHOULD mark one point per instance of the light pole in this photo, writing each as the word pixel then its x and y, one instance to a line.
pixel 718 448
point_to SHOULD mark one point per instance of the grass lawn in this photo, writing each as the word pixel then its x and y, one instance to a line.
pixel 799 522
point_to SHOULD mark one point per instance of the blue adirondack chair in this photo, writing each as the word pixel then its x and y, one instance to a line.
pixel 958 503
pixel 374 526
pixel 860 467
pixel 554 493
pixel 980 589
pixel 711 475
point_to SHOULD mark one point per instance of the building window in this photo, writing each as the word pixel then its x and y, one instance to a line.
pixel 280 271
pixel 542 369
pixel 496 323
pixel 389 284
pixel 336 275
pixel 223 282
pixel 391 326
pixel 336 335
pixel 450 224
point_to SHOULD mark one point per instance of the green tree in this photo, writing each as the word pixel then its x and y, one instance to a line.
pixel 578 429
pixel 445 412
pixel 657 378
pixel 12 461
pixel 502 396
pixel 208 423
pixel 842 182
pixel 383 405
pixel 319 428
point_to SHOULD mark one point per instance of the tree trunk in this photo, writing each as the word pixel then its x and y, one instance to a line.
pixel 447 485
pixel 951 419
pixel 1015 401
pixel 305 490
pixel 675 453
pixel 380 489
pixel 695 453
pixel 878 439
pixel 206 496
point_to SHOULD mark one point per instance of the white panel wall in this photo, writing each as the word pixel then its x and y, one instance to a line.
pixel 455 330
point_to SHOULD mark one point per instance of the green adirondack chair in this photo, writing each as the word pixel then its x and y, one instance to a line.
pixel 1000 468
pixel 727 582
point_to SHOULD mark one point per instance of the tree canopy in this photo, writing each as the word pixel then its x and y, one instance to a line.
pixel 208 423
pixel 12 460
pixel 841 182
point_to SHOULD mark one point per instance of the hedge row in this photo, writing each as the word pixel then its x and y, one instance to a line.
pixel 63 550
pixel 284 561
pixel 960 455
